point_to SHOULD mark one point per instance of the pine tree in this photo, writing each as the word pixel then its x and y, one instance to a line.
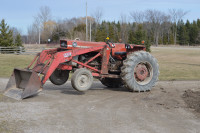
pixel 182 34
pixel 139 34
pixel 148 46
pixel 18 40
pixel 101 33
pixel 6 35
pixel 198 37
pixel 193 32
pixel 111 32
pixel 198 23
pixel 118 26
pixel 131 37
pixel 165 38
pixel 187 25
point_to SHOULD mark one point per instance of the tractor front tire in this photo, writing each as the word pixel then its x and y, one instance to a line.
pixel 140 71
pixel 59 77
pixel 112 82
pixel 82 79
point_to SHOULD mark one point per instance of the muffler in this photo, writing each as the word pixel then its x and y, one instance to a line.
pixel 22 84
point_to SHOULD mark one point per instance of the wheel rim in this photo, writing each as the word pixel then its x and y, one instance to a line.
pixel 143 73
pixel 83 80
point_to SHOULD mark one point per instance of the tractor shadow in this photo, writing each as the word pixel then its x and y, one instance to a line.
pixel 72 92
pixel 123 89
pixel 68 89
pixel 65 89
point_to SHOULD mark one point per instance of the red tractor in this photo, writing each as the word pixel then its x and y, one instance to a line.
pixel 114 64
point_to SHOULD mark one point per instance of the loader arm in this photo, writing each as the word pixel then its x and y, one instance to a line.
pixel 66 56
pixel 27 82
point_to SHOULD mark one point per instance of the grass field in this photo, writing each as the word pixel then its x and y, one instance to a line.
pixel 178 63
pixel 10 61
pixel 175 63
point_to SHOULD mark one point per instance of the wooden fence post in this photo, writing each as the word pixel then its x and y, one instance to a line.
pixel 20 50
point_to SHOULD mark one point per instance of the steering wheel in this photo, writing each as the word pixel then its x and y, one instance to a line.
pixel 112 44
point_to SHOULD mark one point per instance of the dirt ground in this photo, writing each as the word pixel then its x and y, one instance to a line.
pixel 192 99
pixel 102 110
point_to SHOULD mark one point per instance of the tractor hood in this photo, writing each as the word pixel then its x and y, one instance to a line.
pixel 71 44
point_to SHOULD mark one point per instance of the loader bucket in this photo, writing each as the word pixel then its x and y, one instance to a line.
pixel 22 84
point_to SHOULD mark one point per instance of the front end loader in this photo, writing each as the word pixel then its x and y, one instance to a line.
pixel 114 64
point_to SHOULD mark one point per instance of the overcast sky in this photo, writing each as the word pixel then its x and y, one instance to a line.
pixel 19 13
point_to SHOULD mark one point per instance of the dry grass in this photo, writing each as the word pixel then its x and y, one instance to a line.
pixel 10 61
pixel 178 63
pixel 175 63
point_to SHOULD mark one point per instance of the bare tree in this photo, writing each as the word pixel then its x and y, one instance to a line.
pixel 155 18
pixel 32 34
pixel 116 32
pixel 40 25
pixel 165 28
pixel 44 15
pixel 138 16
pixel 176 15
pixel 66 27
pixel 97 15
pixel 124 28
pixel 48 29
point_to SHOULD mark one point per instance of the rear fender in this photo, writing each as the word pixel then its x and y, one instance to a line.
pixel 136 48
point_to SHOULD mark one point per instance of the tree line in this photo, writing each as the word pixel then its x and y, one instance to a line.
pixel 152 26
pixel 9 37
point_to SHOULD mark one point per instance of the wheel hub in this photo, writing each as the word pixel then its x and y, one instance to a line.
pixel 141 72
pixel 83 80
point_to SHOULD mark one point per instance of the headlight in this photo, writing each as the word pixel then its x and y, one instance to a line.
pixel 63 44
pixel 74 44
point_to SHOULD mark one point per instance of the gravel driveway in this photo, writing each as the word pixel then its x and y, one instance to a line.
pixel 61 109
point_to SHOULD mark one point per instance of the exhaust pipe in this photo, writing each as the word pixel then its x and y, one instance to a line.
pixel 22 84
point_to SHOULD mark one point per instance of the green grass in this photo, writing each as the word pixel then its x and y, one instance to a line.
pixel 174 63
pixel 10 61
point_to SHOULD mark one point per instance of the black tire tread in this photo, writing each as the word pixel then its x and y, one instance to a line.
pixel 129 64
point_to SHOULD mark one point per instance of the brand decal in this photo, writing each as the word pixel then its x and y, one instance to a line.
pixel 67 54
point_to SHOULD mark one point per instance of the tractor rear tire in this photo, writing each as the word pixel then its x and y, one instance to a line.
pixel 112 82
pixel 140 71
pixel 59 77
pixel 82 79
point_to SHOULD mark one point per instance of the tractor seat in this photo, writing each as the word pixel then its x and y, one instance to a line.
pixel 120 53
